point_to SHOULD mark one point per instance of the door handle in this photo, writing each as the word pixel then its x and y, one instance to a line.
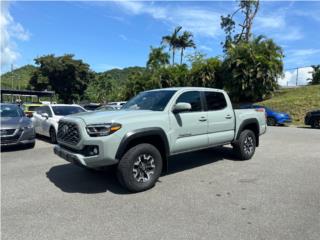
pixel 202 119
pixel 228 117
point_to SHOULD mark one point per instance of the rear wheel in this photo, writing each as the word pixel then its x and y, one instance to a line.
pixel 140 167
pixel 245 146
pixel 315 123
pixel 53 135
pixel 271 121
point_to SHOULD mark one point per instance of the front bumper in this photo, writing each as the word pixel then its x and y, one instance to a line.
pixel 284 120
pixel 20 137
pixel 95 161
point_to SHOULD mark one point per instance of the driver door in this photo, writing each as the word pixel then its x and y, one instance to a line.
pixel 189 129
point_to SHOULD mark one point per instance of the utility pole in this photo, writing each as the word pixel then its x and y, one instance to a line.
pixel 297 76
pixel 11 76
pixel 11 81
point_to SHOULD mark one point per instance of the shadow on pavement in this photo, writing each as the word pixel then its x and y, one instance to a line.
pixel 191 160
pixel 73 179
pixel 14 148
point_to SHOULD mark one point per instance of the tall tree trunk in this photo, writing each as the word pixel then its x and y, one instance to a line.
pixel 173 53
pixel 181 56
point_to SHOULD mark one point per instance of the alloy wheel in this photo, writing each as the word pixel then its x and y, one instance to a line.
pixel 143 168
pixel 248 145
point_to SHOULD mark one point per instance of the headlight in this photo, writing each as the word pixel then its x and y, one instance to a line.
pixel 29 126
pixel 103 129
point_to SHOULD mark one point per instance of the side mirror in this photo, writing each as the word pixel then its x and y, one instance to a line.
pixel 181 107
pixel 45 115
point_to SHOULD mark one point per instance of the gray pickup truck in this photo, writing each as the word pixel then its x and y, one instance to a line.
pixel 154 125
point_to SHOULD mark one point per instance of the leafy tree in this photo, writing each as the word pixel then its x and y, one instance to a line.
pixel 68 77
pixel 185 41
pixel 206 73
pixel 251 69
pixel 157 58
pixel 172 41
pixel 315 75
pixel 99 89
pixel 173 76
pixel 249 9
pixel 136 83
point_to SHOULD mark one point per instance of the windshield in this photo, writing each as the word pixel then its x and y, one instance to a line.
pixel 10 111
pixel 66 110
pixel 153 100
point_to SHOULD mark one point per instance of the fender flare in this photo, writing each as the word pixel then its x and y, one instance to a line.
pixel 143 132
pixel 246 123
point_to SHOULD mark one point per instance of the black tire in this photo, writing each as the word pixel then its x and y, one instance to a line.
pixel 245 146
pixel 140 167
pixel 31 145
pixel 315 123
pixel 271 121
pixel 53 135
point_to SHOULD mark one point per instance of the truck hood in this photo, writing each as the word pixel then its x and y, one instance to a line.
pixel 109 116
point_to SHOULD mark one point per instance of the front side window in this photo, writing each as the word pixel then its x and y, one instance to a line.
pixel 215 101
pixel 66 110
pixel 192 97
pixel 153 100
pixel 47 110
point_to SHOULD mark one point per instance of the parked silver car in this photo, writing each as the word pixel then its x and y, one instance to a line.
pixel 16 128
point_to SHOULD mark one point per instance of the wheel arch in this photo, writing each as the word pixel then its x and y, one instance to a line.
pixel 154 135
pixel 251 124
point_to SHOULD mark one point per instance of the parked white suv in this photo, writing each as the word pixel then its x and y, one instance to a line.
pixel 46 118
pixel 116 105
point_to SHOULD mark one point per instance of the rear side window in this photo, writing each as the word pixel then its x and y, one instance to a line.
pixel 192 97
pixel 215 101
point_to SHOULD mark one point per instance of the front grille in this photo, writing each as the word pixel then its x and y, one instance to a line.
pixel 7 132
pixel 68 132
pixel 11 139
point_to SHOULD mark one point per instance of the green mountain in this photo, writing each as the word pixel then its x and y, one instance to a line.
pixel 120 75
pixel 18 76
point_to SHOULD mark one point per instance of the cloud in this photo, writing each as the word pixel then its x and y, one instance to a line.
pixel 289 34
pixel 205 48
pixel 10 31
pixel 290 77
pixel 301 57
pixel 123 37
pixel 271 21
pixel 199 21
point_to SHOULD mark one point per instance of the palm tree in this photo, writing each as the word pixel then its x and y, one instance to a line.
pixel 185 41
pixel 173 41
pixel 157 58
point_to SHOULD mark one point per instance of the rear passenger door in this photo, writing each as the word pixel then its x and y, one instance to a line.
pixel 221 122
pixel 189 129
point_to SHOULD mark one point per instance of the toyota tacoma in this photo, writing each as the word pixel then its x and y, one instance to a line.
pixel 154 125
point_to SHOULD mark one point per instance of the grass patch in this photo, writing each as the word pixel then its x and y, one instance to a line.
pixel 295 101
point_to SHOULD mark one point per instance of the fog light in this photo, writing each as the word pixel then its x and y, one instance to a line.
pixel 91 150
pixel 95 150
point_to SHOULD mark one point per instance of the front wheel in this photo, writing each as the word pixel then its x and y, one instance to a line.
pixel 140 167
pixel 245 146
pixel 53 135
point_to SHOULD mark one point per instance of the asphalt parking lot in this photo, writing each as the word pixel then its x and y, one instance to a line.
pixel 206 195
